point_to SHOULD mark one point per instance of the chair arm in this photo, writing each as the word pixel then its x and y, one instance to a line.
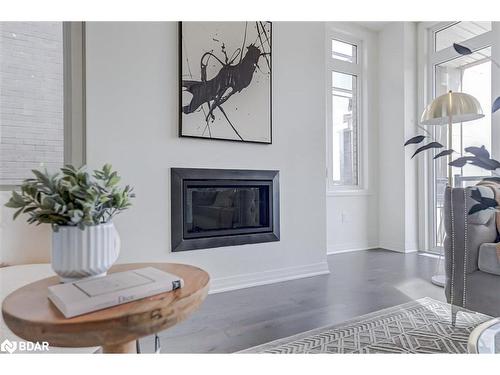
pixel 464 235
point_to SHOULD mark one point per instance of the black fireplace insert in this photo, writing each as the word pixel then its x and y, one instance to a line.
pixel 221 207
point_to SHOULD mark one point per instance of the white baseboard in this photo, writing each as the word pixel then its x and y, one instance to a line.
pixel 350 247
pixel 411 251
pixel 430 255
pixel 392 246
pixel 411 247
pixel 267 277
pixel 398 248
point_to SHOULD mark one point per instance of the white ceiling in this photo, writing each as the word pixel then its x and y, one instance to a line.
pixel 373 25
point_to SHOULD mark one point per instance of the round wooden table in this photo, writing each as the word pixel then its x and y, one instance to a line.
pixel 29 313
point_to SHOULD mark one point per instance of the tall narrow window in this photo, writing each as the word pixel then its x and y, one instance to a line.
pixel 344 51
pixel 345 129
pixel 343 117
pixel 32 97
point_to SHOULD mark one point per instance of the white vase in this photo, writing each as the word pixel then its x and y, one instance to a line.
pixel 78 254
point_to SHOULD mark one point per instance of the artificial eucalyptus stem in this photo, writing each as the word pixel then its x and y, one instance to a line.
pixel 72 197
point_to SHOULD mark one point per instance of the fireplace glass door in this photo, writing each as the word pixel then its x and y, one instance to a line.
pixel 226 208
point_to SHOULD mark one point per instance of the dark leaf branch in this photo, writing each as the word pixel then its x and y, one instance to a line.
pixel 484 203
pixel 496 105
pixel 428 146
pixel 481 158
pixel 444 153
pixel 462 50
pixel 415 140
pixel 480 152
pixel 419 138
pixel 434 144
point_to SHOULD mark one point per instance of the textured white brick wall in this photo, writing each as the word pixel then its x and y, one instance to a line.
pixel 31 98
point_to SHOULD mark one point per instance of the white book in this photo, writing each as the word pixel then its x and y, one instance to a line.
pixel 84 296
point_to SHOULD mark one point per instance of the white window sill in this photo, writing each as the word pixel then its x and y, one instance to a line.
pixel 348 193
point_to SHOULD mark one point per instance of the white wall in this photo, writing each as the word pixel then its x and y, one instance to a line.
pixel 411 120
pixel 132 119
pixel 21 243
pixel 352 218
pixel 385 214
pixel 495 89
pixel 397 191
pixel 132 122
pixel 132 101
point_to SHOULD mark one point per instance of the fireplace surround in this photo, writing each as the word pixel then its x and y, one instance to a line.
pixel 223 207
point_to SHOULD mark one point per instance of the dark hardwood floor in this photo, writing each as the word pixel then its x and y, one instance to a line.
pixel 358 283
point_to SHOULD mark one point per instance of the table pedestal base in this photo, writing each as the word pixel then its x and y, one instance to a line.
pixel 128 347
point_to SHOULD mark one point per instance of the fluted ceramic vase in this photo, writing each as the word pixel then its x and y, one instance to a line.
pixel 79 254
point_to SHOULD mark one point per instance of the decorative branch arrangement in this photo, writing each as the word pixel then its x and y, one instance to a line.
pixel 72 198
pixel 479 156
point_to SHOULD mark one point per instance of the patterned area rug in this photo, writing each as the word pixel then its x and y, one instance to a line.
pixel 421 326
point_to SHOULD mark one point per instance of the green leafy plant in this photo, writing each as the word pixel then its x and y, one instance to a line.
pixel 72 197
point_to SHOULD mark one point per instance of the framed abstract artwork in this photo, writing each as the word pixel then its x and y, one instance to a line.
pixel 225 83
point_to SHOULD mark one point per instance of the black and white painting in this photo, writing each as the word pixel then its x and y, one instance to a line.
pixel 225 80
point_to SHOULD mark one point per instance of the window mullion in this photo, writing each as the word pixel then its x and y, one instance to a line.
pixel 476 43
pixel 345 67
pixel 74 93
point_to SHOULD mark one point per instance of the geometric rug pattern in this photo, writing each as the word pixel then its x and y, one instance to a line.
pixel 421 326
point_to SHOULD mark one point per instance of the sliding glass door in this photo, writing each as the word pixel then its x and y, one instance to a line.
pixel 470 74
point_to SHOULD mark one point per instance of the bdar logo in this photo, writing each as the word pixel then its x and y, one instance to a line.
pixel 23 346
pixel 8 346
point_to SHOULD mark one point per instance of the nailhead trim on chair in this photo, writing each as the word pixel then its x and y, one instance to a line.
pixel 466 215
pixel 452 250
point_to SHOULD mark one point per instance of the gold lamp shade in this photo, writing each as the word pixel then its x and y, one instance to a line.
pixel 452 107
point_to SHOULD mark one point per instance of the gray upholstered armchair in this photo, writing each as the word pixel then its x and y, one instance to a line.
pixel 472 265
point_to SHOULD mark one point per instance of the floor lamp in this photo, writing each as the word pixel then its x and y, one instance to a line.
pixel 448 109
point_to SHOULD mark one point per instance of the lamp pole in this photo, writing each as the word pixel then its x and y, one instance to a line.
pixel 440 279
pixel 450 138
pixel 450 144
pixel 451 106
